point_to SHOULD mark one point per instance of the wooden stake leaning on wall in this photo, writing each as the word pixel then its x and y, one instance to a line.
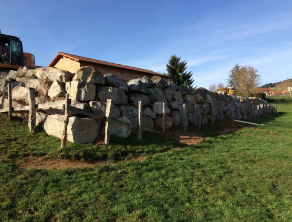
pixel 9 101
pixel 140 132
pixel 66 118
pixel 184 117
pixel 31 113
pixel 163 117
pixel 107 122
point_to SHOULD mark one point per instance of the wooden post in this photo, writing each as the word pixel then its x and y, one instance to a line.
pixel 32 113
pixel 163 117
pixel 9 101
pixel 107 122
pixel 140 132
pixel 184 117
pixel 66 108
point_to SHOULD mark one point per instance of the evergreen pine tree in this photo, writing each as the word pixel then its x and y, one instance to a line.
pixel 177 71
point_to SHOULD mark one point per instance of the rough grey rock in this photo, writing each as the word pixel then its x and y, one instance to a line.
pixel 78 105
pixel 190 98
pixel 12 75
pixel 136 85
pixel 117 96
pixel 156 94
pixel 206 108
pixel 177 105
pixel 40 118
pixel 176 95
pixel 160 83
pixel 177 117
pixel 168 94
pixel 35 84
pixel 171 85
pixel 19 93
pixel 147 122
pixel 202 91
pixel 129 112
pixel 199 98
pixel 184 90
pixel 89 74
pixel 189 107
pixel 134 97
pixel 99 108
pixel 81 91
pixel 208 98
pixel 192 91
pixel 79 130
pixel 56 90
pixel 148 112
pixel 168 122
pixel 23 79
pixel 113 80
pixel 157 108
pixel 54 74
pixel 120 129
pixel 149 83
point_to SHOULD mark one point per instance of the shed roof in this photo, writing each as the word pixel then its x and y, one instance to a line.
pixel 95 61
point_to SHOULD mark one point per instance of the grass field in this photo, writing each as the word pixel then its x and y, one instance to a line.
pixel 241 176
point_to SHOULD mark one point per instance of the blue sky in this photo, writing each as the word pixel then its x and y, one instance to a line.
pixel 212 36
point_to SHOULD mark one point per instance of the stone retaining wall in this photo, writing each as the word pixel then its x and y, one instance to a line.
pixel 89 90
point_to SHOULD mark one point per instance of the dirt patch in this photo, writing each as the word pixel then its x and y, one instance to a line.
pixel 50 164
pixel 182 136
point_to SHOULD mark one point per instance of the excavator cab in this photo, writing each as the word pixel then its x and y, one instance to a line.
pixel 11 52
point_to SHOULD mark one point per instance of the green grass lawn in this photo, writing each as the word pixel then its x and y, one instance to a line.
pixel 240 176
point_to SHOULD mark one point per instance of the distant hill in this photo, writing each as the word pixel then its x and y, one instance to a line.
pixel 278 86
pixel 268 85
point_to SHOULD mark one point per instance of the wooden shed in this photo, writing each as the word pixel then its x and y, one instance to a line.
pixel 72 63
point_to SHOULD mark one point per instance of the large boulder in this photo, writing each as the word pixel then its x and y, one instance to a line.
pixel 19 93
pixel 148 82
pixel 177 117
pixel 190 98
pixel 89 74
pixel 113 80
pixel 122 128
pixel 168 94
pixel 135 97
pixel 171 85
pixel 56 90
pixel 146 122
pixel 157 108
pixel 184 90
pixel 129 112
pixel 79 130
pixel 99 108
pixel 156 94
pixel 81 91
pixel 175 104
pixel 54 74
pixel 160 83
pixel 12 75
pixel 136 85
pixel 117 96
pixel 176 95
pixel 35 84
pixel 24 79
pixel 148 112
pixel 199 98
pixel 168 122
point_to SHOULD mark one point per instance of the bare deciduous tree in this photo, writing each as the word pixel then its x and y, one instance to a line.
pixel 243 79
pixel 212 87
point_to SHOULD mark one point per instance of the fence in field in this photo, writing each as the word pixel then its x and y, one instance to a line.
pixel 65 105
